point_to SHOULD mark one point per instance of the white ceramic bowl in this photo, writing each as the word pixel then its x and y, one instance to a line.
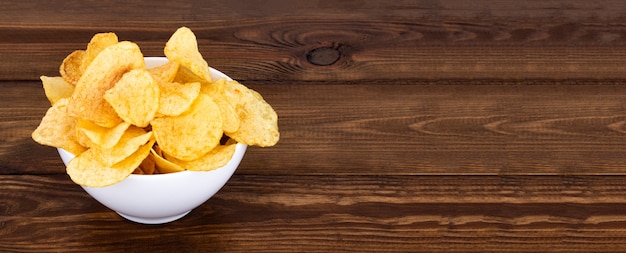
pixel 162 198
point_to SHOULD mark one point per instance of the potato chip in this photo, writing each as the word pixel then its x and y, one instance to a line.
pixel 176 98
pixel 133 138
pixel 70 68
pixel 163 165
pixel 184 75
pixel 166 72
pixel 57 129
pixel 102 136
pixel 157 150
pixel 87 170
pixel 147 166
pixel 81 137
pixel 191 134
pixel 139 170
pixel 56 88
pixel 182 47
pixel 259 121
pixel 214 159
pixel 135 97
pixel 87 101
pixel 230 119
pixel 98 42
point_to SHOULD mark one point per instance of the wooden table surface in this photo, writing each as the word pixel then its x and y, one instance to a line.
pixel 407 126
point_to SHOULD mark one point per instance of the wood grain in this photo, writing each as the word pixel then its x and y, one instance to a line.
pixel 514 129
pixel 406 126
pixel 333 213
pixel 441 40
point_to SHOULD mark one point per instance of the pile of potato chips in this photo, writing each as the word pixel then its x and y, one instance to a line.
pixel 119 117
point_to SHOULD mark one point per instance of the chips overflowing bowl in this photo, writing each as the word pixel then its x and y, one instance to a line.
pixel 116 115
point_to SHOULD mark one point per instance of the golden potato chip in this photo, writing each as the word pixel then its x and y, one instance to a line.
pixel 166 72
pixel 70 68
pixel 157 150
pixel 214 159
pixel 98 42
pixel 184 75
pixel 139 170
pixel 81 137
pixel 87 170
pixel 163 165
pixel 102 136
pixel 87 101
pixel 230 119
pixel 56 88
pixel 57 129
pixel 133 138
pixel 259 121
pixel 147 166
pixel 135 97
pixel 182 47
pixel 176 98
pixel 191 134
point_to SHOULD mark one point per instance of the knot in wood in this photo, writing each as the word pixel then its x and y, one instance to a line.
pixel 323 56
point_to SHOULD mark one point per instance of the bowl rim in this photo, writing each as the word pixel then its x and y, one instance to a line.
pixel 240 150
pixel 160 60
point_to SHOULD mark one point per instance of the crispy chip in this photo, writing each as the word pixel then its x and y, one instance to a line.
pixel 163 165
pixel 147 166
pixel 56 88
pixel 184 75
pixel 133 138
pixel 81 137
pixel 259 121
pixel 87 170
pixel 70 68
pixel 139 170
pixel 191 134
pixel 176 98
pixel 102 136
pixel 182 47
pixel 135 97
pixel 216 158
pixel 57 129
pixel 166 72
pixel 230 119
pixel 98 42
pixel 87 101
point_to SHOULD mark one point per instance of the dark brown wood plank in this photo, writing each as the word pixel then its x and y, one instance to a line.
pixel 397 129
pixel 297 40
pixel 407 126
pixel 457 129
pixel 333 213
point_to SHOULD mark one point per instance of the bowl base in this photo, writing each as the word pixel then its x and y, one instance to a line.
pixel 159 220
